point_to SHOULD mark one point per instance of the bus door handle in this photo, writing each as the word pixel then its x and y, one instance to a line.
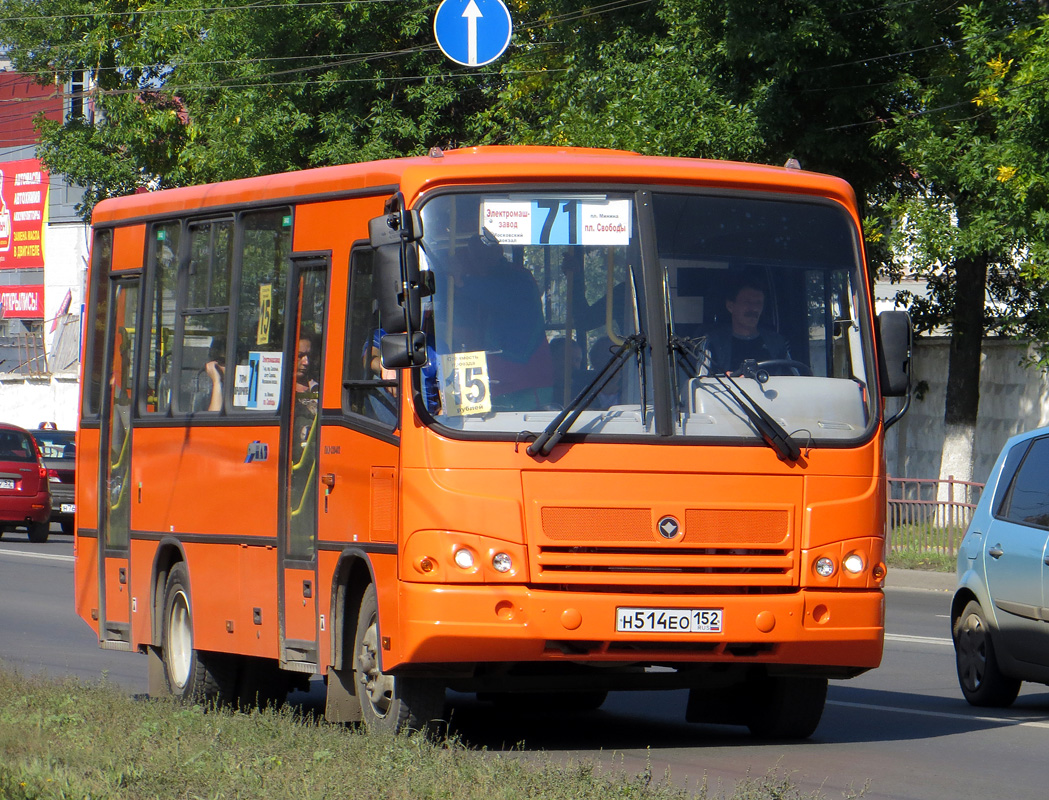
pixel 328 479
pixel 307 589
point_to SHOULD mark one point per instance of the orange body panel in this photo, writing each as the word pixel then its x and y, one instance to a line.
pixel 174 492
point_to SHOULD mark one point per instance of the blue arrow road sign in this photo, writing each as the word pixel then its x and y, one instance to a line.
pixel 472 32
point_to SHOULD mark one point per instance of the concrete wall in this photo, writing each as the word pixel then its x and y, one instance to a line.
pixel 30 401
pixel 1014 397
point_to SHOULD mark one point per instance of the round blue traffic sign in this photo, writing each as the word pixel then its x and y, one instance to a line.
pixel 472 32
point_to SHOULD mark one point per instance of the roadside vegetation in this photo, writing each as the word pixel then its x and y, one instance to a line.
pixel 69 739
pixel 911 558
pixel 924 546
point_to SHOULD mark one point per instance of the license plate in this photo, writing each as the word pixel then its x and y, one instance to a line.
pixel 68 508
pixel 668 620
pixel 7 483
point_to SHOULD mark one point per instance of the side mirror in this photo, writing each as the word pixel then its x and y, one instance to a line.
pixel 395 227
pixel 895 339
pixel 398 350
pixel 397 288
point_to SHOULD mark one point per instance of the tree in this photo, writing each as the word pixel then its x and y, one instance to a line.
pixel 187 93
pixel 972 221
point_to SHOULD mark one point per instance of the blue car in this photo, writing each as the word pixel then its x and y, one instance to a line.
pixel 1000 611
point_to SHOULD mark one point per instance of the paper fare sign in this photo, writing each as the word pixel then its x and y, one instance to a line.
pixel 466 388
pixel 558 221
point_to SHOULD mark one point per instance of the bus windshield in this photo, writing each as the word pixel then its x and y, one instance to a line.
pixel 536 292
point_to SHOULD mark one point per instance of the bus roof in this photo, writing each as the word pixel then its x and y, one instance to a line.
pixel 467 166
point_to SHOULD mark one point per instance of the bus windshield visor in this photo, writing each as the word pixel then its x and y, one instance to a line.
pixel 534 294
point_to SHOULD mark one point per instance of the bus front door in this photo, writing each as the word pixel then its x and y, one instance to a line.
pixel 300 447
pixel 114 507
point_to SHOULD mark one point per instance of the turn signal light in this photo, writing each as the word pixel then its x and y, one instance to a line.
pixel 824 567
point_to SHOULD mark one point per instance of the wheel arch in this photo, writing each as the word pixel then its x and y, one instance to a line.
pixel 353 574
pixel 169 553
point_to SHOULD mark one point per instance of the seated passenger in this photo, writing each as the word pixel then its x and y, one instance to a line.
pixel 499 310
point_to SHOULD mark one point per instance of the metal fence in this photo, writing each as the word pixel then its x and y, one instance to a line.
pixel 929 515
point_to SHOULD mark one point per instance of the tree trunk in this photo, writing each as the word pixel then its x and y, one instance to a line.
pixel 963 369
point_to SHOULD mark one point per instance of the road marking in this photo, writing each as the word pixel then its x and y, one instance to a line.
pixel 943 714
pixel 902 637
pixel 43 556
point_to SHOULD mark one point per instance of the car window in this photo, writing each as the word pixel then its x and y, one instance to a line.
pixel 1005 479
pixel 1027 502
pixel 16 446
pixel 56 444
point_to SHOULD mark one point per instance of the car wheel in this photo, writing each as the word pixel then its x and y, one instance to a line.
pixel 979 675
pixel 191 675
pixel 39 531
pixel 390 703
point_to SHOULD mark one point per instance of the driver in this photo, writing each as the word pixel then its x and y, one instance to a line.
pixel 728 346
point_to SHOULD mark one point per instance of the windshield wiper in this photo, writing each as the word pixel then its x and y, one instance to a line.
pixel 559 425
pixel 773 434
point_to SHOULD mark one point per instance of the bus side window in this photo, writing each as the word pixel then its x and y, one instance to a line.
pixel 160 314
pixel 259 327
pixel 369 390
pixel 205 316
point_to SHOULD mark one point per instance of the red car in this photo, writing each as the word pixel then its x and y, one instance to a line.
pixel 25 497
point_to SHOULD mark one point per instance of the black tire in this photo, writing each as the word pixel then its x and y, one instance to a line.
pixel 39 531
pixel 979 675
pixel 390 703
pixel 786 707
pixel 191 676
pixel 67 525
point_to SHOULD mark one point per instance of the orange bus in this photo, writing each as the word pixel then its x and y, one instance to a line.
pixel 532 423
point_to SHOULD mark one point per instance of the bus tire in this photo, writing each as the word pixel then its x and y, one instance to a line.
pixel 39 531
pixel 191 676
pixel 785 707
pixel 390 703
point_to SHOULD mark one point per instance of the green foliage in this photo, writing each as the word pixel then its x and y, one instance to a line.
pixel 69 740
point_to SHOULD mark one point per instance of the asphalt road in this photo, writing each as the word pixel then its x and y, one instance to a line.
pixel 900 731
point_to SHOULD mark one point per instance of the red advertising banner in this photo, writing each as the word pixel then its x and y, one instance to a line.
pixel 24 187
pixel 21 302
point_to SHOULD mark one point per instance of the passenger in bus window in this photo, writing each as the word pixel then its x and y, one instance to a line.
pixel 498 309
pixel 742 339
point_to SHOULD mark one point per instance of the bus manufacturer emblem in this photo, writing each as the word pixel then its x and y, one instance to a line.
pixel 257 451
pixel 668 527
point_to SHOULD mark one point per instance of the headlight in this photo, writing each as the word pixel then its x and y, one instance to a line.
pixel 853 563
pixel 464 558
pixel 501 562
pixel 824 567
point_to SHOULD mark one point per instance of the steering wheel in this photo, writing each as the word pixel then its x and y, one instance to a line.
pixel 785 363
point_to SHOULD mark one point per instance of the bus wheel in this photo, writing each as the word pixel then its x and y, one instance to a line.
pixel 38 531
pixel 787 707
pixel 191 675
pixel 390 704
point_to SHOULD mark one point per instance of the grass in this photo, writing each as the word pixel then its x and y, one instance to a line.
pixel 65 740
pixel 914 558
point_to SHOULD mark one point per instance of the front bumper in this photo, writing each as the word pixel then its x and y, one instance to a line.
pixel 484 624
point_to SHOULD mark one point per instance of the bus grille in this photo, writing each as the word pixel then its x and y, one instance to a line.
pixel 716 548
